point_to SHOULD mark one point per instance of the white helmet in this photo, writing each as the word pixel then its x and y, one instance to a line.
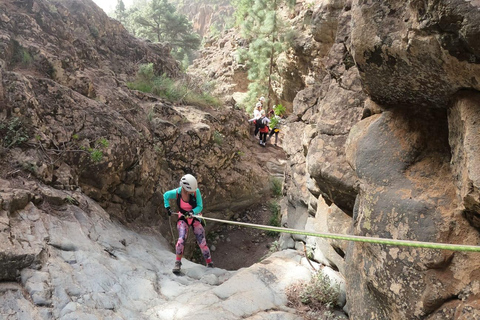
pixel 262 99
pixel 258 105
pixel 189 183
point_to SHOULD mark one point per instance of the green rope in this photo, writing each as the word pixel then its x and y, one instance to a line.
pixel 392 242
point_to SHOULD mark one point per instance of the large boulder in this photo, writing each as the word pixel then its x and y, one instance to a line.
pixel 395 148
pixel 406 192
pixel 464 131
pixel 416 54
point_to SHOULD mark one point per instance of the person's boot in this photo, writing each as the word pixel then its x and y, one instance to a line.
pixel 210 265
pixel 178 266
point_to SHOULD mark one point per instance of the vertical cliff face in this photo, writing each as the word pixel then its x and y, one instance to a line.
pixel 208 15
pixel 80 151
pixel 389 148
pixel 68 118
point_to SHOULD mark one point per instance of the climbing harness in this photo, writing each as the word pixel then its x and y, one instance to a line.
pixel 392 242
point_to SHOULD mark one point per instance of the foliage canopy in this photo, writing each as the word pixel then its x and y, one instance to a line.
pixel 268 36
pixel 159 21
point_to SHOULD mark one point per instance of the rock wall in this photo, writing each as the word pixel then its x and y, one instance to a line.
pixel 84 161
pixel 206 15
pixel 65 71
pixel 389 149
pixel 382 141
pixel 68 260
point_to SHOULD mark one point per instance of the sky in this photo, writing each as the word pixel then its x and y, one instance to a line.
pixel 109 5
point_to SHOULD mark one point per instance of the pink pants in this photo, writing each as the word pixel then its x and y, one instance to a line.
pixel 199 231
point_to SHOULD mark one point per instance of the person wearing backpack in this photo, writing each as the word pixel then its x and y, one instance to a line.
pixel 190 205
pixel 275 120
pixel 263 122
pixel 256 114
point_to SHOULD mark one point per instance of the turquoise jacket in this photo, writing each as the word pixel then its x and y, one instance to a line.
pixel 172 194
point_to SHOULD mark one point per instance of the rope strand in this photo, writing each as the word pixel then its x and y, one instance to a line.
pixel 392 242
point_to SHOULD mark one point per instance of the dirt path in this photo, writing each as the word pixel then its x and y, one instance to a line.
pixel 235 247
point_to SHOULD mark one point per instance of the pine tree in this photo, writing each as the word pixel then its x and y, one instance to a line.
pixel 266 33
pixel 121 12
pixel 159 21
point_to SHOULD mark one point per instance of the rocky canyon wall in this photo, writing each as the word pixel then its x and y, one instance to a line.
pixel 65 72
pixel 84 160
pixel 385 144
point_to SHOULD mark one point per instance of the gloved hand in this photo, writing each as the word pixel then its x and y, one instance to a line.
pixel 169 211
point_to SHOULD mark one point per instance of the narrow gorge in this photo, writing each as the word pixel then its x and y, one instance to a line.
pixel 381 139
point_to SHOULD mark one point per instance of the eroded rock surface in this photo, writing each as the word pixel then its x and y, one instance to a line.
pixel 64 86
pixel 389 149
pixel 64 258
pixel 84 163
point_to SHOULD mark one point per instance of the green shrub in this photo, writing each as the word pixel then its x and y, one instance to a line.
pixel 277 185
pixel 279 110
pixel 274 247
pixel 96 155
pixel 13 132
pixel 103 142
pixel 145 72
pixel 318 295
pixel 275 218
pixel 150 114
pixel 71 200
pixel 218 137
pixel 180 90
pixel 21 56
pixel 26 58
pixel 140 86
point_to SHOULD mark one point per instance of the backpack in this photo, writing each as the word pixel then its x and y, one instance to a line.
pixel 261 122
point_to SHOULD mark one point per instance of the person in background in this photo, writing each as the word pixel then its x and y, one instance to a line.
pixel 256 114
pixel 190 205
pixel 263 128
pixel 275 124
pixel 262 100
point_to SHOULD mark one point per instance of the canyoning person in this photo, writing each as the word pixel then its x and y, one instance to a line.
pixel 256 116
pixel 275 125
pixel 190 205
pixel 262 101
pixel 263 123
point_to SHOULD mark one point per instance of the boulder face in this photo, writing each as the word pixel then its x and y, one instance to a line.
pixel 382 141
pixel 386 145
pixel 420 53
pixel 62 257
pixel 407 193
